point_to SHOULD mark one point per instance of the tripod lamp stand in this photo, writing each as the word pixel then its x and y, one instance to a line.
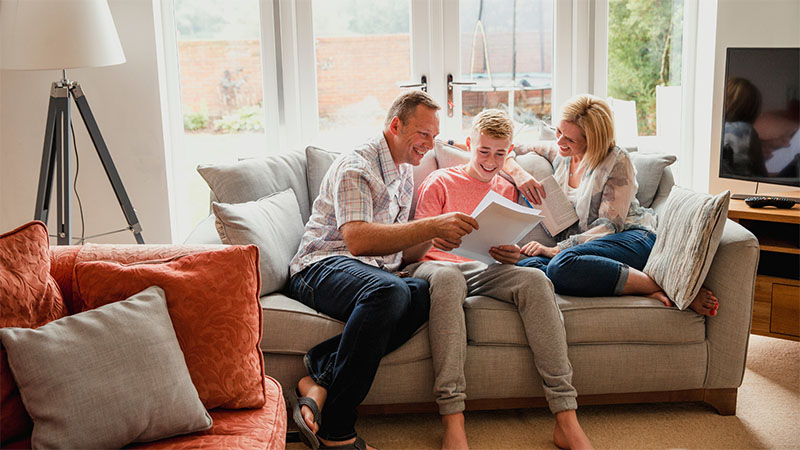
pixel 64 34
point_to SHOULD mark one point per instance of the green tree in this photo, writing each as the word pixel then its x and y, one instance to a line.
pixel 644 50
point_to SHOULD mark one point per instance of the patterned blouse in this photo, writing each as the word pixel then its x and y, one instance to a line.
pixel 606 199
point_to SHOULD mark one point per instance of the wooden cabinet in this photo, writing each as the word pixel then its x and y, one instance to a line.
pixel 776 309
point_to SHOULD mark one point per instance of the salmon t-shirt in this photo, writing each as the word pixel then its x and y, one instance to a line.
pixel 453 190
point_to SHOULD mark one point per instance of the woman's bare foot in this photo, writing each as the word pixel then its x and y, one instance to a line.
pixel 455 433
pixel 308 388
pixel 705 303
pixel 660 296
pixel 568 433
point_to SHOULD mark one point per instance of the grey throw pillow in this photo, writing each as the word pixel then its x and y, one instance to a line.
pixel 106 377
pixel 272 223
pixel 687 239
pixel 250 179
pixel 318 162
pixel 649 168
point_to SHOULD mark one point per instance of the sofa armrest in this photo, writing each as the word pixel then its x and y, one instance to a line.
pixel 732 278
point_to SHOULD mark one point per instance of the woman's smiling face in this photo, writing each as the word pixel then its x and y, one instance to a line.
pixel 571 140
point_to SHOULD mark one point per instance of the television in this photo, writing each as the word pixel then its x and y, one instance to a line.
pixel 761 116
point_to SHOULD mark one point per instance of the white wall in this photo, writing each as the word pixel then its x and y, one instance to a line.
pixel 125 101
pixel 746 23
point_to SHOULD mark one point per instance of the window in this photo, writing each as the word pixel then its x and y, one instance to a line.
pixel 645 42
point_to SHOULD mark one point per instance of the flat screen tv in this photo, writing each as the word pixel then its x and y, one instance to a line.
pixel 761 116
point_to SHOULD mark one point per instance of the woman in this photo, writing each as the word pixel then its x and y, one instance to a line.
pixel 605 252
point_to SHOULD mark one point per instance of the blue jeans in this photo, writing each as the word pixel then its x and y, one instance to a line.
pixel 598 267
pixel 381 312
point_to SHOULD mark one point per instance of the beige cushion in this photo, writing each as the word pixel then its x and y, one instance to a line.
pixel 588 320
pixel 649 168
pixel 272 223
pixel 251 179
pixel 318 162
pixel 106 377
pixel 687 239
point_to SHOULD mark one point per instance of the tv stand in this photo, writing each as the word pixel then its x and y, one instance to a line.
pixel 776 303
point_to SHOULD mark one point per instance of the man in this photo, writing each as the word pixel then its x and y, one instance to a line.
pixel 453 278
pixel 357 236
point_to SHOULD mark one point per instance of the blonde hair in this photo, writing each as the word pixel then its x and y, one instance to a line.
pixel 494 123
pixel 593 116
pixel 406 103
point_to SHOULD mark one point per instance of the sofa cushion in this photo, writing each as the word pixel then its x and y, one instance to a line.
pixel 588 320
pixel 318 162
pixel 262 428
pixel 272 223
pixel 106 377
pixel 251 179
pixel 649 168
pixel 212 297
pixel 687 239
pixel 291 328
pixel 30 298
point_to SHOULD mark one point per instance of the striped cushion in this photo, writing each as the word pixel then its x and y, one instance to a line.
pixel 688 236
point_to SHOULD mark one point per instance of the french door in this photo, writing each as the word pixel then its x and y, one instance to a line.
pixel 468 54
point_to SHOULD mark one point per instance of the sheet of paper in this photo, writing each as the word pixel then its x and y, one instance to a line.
pixel 501 221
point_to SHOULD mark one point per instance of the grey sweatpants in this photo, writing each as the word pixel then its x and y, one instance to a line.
pixel 528 289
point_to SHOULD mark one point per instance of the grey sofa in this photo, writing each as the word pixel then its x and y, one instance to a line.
pixel 623 349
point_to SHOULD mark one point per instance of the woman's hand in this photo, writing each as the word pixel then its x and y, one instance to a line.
pixel 534 248
pixel 530 188
pixel 506 254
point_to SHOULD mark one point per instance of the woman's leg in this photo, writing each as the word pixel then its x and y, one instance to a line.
pixel 601 266
pixel 537 262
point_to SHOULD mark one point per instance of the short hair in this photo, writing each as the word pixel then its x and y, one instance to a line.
pixel 494 123
pixel 593 116
pixel 742 101
pixel 406 103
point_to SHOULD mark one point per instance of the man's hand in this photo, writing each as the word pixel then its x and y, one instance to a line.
pixel 445 245
pixel 530 188
pixel 506 254
pixel 451 227
pixel 534 248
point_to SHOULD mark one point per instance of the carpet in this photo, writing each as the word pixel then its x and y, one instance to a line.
pixel 768 416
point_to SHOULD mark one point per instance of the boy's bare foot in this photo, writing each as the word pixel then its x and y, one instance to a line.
pixel 660 296
pixel 705 303
pixel 308 388
pixel 568 433
pixel 455 433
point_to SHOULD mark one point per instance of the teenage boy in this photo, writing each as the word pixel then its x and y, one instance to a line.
pixel 452 278
pixel 355 239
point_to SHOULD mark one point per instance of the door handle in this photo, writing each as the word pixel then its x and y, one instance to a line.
pixel 423 84
pixel 450 84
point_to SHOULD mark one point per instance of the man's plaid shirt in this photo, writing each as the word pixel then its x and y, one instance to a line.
pixel 363 185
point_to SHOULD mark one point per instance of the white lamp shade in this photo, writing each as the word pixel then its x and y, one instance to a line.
pixel 57 34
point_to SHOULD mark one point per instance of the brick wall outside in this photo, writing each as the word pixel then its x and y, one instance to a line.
pixel 362 70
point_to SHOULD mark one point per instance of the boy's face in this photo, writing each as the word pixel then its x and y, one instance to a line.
pixel 487 156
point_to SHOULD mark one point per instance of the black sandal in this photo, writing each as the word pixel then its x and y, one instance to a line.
pixel 359 444
pixel 296 403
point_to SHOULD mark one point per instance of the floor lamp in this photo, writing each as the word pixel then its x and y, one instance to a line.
pixel 64 34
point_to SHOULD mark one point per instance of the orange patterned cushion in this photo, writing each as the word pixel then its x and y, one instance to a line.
pixel 212 298
pixel 30 299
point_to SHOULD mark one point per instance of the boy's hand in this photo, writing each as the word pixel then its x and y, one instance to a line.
pixel 531 189
pixel 506 254
pixel 445 245
pixel 534 248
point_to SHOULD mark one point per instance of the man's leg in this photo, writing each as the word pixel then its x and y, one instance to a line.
pixel 448 340
pixel 380 314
